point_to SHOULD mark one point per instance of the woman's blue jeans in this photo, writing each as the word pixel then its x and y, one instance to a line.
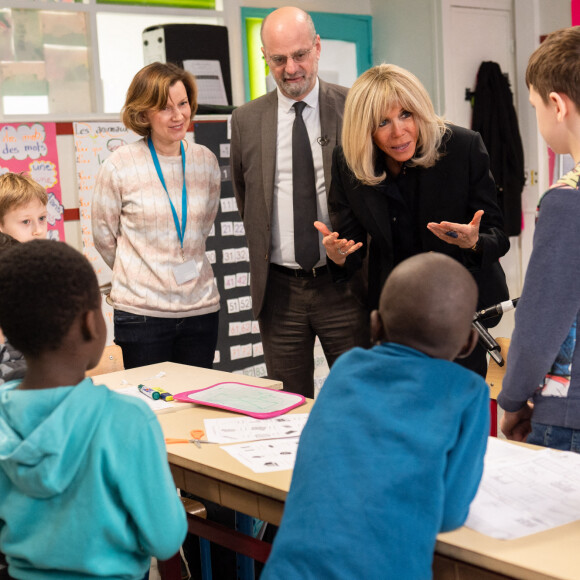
pixel 147 340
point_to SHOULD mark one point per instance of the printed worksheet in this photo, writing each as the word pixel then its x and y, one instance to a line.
pixel 524 491
pixel 238 429
pixel 266 456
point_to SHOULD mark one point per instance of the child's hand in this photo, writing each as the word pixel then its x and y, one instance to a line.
pixel 517 426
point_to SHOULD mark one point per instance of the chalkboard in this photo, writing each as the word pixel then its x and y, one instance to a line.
pixel 239 343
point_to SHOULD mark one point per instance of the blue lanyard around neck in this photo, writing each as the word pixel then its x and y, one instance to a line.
pixel 180 230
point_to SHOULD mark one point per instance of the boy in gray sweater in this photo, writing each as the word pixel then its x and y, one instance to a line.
pixel 544 358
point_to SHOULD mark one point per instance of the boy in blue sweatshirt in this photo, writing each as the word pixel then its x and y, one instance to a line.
pixel 84 480
pixel 392 452
pixel 544 358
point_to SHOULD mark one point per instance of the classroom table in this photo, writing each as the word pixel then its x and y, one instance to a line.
pixel 210 472
pixel 175 378
pixel 468 555
pixel 213 474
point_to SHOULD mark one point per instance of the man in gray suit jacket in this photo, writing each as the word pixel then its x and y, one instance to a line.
pixel 292 305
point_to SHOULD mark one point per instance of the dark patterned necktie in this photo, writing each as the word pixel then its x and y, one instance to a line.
pixel 306 247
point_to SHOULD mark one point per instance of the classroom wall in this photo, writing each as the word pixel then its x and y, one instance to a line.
pixel 553 14
pixel 232 20
pixel 405 32
pixel 69 187
pixel 232 9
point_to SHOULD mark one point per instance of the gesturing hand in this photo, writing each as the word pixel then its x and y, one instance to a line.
pixel 462 235
pixel 336 249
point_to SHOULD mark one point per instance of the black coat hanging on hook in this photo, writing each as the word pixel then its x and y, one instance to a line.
pixel 494 117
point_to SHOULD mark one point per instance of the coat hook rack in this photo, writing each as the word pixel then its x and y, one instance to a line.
pixel 469 94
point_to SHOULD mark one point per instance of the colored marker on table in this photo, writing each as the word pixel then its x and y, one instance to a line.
pixel 163 394
pixel 149 392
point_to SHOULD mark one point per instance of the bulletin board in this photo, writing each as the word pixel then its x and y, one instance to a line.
pixel 239 344
pixel 239 347
pixel 31 148
pixel 94 142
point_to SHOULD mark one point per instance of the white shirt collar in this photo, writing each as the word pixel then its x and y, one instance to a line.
pixel 311 99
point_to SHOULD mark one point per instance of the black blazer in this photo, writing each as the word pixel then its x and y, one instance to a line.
pixel 458 185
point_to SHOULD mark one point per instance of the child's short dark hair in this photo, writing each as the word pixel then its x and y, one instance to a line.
pixel 44 286
pixel 7 241
pixel 555 65
pixel 17 189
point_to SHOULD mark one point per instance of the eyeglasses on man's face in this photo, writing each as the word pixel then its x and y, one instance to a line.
pixel 300 56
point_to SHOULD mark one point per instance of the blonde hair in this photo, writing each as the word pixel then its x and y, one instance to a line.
pixel 149 91
pixel 18 189
pixel 374 93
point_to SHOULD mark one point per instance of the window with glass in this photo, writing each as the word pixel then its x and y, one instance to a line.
pixel 65 58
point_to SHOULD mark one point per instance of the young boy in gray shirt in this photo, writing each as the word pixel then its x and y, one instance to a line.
pixel 544 361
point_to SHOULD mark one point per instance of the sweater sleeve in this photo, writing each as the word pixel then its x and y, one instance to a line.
pixel 215 185
pixel 106 212
pixel 465 460
pixel 151 496
pixel 550 299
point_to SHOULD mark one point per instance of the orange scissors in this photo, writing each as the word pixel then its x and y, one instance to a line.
pixel 196 436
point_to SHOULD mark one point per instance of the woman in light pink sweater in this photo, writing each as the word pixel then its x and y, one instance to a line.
pixel 153 207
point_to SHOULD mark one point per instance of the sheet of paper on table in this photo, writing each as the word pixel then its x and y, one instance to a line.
pixel 242 429
pixel 524 491
pixel 267 444
pixel 265 456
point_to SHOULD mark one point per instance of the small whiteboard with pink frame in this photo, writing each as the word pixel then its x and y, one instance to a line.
pixel 258 402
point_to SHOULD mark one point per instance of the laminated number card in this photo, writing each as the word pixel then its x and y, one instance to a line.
pixel 258 402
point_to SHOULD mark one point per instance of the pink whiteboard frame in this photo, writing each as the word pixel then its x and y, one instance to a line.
pixel 185 398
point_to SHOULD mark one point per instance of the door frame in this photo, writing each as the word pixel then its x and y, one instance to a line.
pixel 355 28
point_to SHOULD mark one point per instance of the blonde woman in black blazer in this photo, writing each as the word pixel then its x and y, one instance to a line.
pixel 405 182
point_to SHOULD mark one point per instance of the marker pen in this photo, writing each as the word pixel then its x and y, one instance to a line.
pixel 163 394
pixel 148 391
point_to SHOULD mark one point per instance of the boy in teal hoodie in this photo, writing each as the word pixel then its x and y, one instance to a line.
pixel 84 480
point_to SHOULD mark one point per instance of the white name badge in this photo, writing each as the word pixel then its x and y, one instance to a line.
pixel 185 272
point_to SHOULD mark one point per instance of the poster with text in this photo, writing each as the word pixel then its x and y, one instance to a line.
pixel 94 142
pixel 31 148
